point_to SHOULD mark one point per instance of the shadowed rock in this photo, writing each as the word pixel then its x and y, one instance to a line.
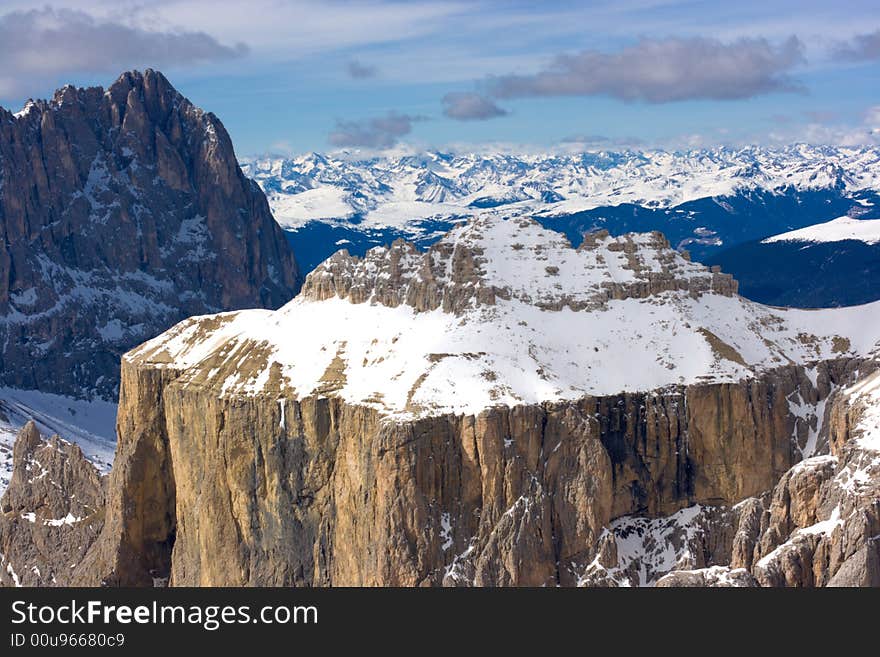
pixel 123 211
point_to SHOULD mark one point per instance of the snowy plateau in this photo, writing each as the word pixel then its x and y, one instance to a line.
pixel 621 314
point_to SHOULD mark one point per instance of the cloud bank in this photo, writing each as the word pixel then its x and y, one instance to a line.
pixel 43 44
pixel 862 48
pixel 663 71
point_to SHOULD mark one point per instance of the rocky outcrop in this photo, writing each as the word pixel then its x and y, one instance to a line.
pixel 122 212
pixel 452 274
pixel 51 513
pixel 818 526
pixel 824 517
pixel 716 576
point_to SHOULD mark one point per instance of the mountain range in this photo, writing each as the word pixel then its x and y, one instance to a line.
pixel 499 370
pixel 705 200
pixel 501 410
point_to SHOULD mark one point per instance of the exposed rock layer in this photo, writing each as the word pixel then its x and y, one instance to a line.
pixel 452 274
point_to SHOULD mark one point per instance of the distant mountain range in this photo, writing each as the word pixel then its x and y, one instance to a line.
pixel 835 263
pixel 705 201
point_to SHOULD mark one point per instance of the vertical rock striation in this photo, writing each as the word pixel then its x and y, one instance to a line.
pixel 334 494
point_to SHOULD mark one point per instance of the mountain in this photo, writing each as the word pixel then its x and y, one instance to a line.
pixel 502 409
pixel 841 229
pixel 122 211
pixel 835 263
pixel 703 200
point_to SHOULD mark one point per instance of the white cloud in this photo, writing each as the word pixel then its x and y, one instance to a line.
pixel 377 133
pixel 661 71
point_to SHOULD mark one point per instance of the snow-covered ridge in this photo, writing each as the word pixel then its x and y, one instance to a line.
pixel 405 361
pixel 837 230
pixel 90 424
pixel 395 191
pixel 493 258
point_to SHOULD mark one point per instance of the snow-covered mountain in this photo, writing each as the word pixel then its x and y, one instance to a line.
pixel 504 311
pixel 501 409
pixel 395 192
pixel 833 263
pixel 90 424
pixel 703 200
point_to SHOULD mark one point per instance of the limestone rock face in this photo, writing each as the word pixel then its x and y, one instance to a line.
pixel 824 517
pixel 123 211
pixel 261 490
pixel 51 513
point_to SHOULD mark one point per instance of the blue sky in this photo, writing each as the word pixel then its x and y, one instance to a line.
pixel 289 77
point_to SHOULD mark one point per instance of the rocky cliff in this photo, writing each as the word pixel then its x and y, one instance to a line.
pixel 502 410
pixel 122 212
pixel 334 494
pixel 480 414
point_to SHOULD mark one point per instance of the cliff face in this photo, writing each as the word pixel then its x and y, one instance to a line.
pixel 122 212
pixel 266 491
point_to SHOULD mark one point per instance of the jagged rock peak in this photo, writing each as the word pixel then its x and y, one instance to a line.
pixel 154 91
pixel 51 513
pixel 124 211
pixel 493 257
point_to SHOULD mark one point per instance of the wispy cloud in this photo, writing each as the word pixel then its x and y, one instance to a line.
pixel 862 48
pixel 359 70
pixel 470 106
pixel 601 141
pixel 46 43
pixel 378 133
pixel 838 134
pixel 662 71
